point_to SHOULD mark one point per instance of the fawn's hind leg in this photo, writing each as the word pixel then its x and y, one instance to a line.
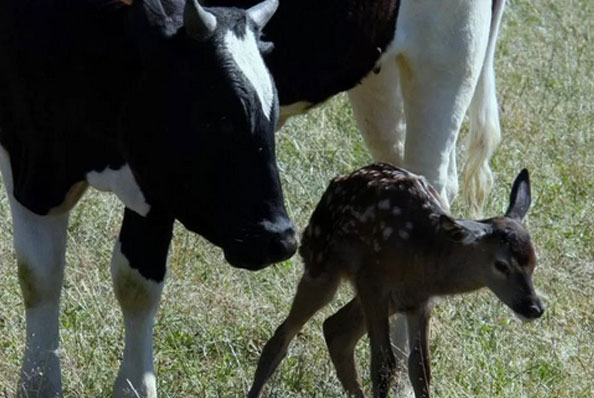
pixel 342 331
pixel 312 294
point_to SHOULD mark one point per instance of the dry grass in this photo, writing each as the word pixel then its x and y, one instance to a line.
pixel 214 319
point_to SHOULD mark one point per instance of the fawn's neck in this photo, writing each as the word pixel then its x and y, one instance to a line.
pixel 457 269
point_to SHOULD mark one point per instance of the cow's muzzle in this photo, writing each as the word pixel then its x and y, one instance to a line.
pixel 270 243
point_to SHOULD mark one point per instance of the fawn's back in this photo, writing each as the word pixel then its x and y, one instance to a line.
pixel 378 216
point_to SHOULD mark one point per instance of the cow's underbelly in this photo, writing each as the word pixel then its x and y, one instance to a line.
pixel 71 198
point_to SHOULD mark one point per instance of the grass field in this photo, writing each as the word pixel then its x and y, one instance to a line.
pixel 215 319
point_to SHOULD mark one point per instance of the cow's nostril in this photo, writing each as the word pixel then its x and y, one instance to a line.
pixel 283 245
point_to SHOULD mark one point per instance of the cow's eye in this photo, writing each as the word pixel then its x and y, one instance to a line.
pixel 225 122
pixel 502 266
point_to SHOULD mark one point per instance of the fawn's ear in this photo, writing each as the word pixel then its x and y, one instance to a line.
pixel 465 232
pixel 520 199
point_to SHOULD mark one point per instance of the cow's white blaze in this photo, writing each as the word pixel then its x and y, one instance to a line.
pixel 246 55
pixel 139 298
pixel 123 184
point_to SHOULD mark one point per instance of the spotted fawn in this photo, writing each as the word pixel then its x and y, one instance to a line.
pixel 388 232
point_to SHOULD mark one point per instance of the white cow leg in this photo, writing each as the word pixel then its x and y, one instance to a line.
pixel 439 60
pixel 40 243
pixel 138 270
pixel 377 105
pixel 40 246
pixel 399 332
pixel 139 298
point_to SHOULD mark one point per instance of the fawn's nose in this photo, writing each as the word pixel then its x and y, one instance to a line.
pixel 530 309
pixel 535 311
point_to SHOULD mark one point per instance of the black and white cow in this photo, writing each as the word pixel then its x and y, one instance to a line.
pixel 412 69
pixel 168 105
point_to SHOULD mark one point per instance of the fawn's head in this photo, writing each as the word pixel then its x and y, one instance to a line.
pixel 504 257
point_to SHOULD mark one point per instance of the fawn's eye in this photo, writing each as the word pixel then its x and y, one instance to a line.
pixel 502 267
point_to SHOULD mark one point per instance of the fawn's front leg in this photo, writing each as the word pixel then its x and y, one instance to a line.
pixel 383 361
pixel 313 293
pixel 418 361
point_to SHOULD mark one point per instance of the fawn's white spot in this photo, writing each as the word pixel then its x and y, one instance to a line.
pixel 384 204
pixel 376 246
pixel 368 214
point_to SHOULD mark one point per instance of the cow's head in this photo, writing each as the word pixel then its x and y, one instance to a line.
pixel 201 126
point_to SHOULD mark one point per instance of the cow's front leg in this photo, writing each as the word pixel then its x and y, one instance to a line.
pixel 138 270
pixel 40 244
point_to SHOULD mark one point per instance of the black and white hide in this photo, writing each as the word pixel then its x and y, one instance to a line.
pixel 165 103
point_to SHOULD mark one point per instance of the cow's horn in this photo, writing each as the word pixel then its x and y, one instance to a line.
pixel 199 23
pixel 261 13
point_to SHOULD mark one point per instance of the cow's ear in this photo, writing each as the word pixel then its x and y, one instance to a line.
pixel 265 47
pixel 150 23
pixel 520 197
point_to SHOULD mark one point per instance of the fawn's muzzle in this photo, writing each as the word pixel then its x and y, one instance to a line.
pixel 529 309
